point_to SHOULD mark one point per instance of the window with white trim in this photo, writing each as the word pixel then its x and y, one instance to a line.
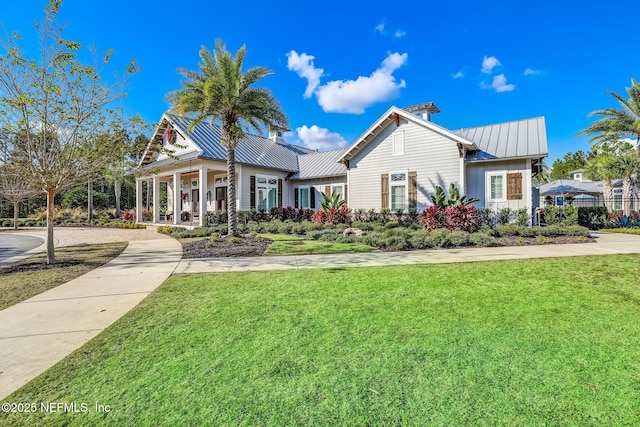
pixel 338 189
pixel 266 192
pixel 398 190
pixel 397 143
pixel 305 197
pixel 496 186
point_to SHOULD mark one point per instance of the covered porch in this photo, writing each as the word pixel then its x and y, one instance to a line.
pixel 182 195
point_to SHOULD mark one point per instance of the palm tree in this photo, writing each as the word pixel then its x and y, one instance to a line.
pixel 221 93
pixel 600 167
pixel 627 167
pixel 617 123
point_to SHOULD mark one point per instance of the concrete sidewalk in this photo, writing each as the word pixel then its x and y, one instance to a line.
pixel 41 331
pixel 606 244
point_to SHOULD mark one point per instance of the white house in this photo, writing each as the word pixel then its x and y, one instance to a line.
pixel 395 164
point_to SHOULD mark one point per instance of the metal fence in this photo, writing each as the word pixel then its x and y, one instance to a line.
pixel 617 202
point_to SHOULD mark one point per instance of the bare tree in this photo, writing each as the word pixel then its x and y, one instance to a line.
pixel 55 106
pixel 15 188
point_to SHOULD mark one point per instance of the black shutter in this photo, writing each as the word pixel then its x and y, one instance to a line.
pixel 252 192
pixel 312 197
pixel 346 201
pixel 280 193
pixel 295 199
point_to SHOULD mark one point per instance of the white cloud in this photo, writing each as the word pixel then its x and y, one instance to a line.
pixel 380 28
pixel 354 96
pixel 531 72
pixel 458 75
pixel 318 138
pixel 304 67
pixel 499 83
pixel 489 63
pixel 399 34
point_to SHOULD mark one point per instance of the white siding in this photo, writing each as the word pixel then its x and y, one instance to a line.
pixel 434 158
pixel 247 171
pixel 319 185
pixel 476 177
pixel 182 147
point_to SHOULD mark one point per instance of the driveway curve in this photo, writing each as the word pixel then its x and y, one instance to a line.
pixel 14 244
pixel 39 332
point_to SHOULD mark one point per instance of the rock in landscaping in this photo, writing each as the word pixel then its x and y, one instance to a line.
pixel 353 232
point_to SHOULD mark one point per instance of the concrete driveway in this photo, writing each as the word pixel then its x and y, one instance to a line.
pixel 15 244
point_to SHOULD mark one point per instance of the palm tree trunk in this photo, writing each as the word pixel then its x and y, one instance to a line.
pixel 607 192
pixel 231 192
pixel 626 194
pixel 117 189
pixel 51 258
pixel 16 206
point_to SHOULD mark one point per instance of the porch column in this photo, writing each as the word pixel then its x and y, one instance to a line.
pixel 177 198
pixel 138 199
pixel 239 188
pixel 203 194
pixel 156 199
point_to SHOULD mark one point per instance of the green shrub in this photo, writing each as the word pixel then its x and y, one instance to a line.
pixel 504 216
pixel 591 216
pixel 7 223
pixel 314 234
pixel 486 217
pixel 570 214
pixel 482 239
pixel 285 227
pixel 165 229
pixel 346 239
pixel 529 232
pixel 458 238
pixel 438 238
pixel 329 236
pixel 551 215
pixel 364 226
pixel 236 239
pixel 551 230
pixel 577 230
pixel 522 217
pixel 542 239
pixel 420 239
pixel 373 238
pixel 271 227
pixel 506 230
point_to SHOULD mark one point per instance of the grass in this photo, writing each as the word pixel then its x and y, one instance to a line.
pixel 635 231
pixel 309 247
pixel 31 276
pixel 527 342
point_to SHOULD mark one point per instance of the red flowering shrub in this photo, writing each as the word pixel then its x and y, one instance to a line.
pixel 319 217
pixel 432 218
pixel 332 215
pixel 129 216
pixel 453 218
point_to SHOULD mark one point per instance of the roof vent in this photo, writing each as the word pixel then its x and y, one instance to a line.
pixel 424 111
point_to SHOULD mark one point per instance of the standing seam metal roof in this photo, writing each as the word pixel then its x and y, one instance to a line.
pixel 252 149
pixel 521 138
pixel 320 165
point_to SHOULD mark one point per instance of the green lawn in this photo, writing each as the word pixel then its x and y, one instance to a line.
pixel 31 276
pixel 291 245
pixel 531 342
pixel 622 230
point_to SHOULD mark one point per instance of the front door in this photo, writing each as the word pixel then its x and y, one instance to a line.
pixel 221 198
pixel 195 200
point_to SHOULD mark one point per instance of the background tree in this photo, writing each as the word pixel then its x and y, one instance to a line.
pixel 616 123
pixel 15 188
pixel 561 168
pixel 599 167
pixel 55 105
pixel 626 166
pixel 220 92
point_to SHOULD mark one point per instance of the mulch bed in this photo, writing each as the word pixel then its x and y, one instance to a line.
pixel 223 247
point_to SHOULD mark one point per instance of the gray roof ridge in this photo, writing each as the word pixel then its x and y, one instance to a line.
pixel 498 123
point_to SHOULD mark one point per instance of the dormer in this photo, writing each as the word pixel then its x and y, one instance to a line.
pixel 424 111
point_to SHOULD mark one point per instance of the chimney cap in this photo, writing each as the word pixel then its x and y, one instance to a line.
pixel 429 107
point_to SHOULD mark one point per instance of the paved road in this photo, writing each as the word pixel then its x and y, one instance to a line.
pixel 15 244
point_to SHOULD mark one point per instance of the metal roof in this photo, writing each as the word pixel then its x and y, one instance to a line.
pixel 570 186
pixel 320 165
pixel 251 150
pixel 520 138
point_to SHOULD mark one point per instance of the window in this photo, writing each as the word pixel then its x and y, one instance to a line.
pixel 339 190
pixel 398 143
pixel 266 192
pixel 304 198
pixel 496 186
pixel 398 193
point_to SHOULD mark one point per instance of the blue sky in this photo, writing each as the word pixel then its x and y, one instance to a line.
pixel 339 65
